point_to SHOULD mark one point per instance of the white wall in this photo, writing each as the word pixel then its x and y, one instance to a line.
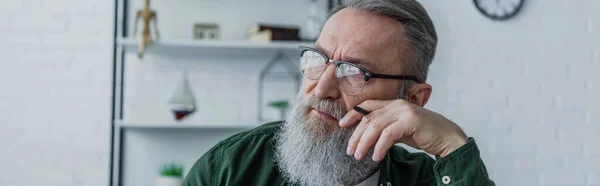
pixel 55 79
pixel 525 89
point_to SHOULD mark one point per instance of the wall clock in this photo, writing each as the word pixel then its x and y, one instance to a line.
pixel 499 9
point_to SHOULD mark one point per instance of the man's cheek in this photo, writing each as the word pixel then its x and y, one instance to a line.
pixel 351 101
pixel 308 86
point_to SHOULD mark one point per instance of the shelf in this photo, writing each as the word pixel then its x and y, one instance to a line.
pixel 129 43
pixel 186 125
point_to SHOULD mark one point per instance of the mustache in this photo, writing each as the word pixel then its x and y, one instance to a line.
pixel 330 107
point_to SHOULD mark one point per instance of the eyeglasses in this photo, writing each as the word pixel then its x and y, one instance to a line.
pixel 351 77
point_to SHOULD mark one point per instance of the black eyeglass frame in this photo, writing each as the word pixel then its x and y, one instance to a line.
pixel 368 74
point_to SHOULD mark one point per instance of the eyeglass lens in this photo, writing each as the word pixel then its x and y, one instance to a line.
pixel 351 80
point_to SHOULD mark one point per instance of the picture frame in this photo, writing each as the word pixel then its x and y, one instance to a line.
pixel 206 31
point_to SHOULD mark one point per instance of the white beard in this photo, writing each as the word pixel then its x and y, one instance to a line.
pixel 308 153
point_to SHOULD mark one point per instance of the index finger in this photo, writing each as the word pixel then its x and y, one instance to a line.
pixel 355 115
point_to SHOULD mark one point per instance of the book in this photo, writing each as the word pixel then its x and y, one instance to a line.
pixel 272 32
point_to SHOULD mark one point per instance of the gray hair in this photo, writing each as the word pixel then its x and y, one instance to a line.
pixel 420 32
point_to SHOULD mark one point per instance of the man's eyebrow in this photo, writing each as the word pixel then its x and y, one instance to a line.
pixel 359 61
pixel 356 60
pixel 321 49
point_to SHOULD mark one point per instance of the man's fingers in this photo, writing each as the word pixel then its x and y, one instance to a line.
pixel 386 140
pixel 375 123
pixel 353 116
pixel 353 141
pixel 360 110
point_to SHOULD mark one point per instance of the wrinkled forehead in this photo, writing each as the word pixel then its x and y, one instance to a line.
pixel 356 34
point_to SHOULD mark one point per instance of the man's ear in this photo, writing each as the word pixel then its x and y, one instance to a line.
pixel 418 94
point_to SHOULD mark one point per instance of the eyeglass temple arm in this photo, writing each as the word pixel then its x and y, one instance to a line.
pixel 413 78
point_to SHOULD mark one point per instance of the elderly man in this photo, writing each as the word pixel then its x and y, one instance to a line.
pixel 363 91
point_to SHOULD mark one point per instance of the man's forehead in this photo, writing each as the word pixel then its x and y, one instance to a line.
pixel 357 35
pixel 356 26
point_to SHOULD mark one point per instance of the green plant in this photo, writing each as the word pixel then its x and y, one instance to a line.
pixel 281 104
pixel 172 170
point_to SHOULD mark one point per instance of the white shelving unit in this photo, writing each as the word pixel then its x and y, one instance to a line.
pixel 239 47
pixel 176 47
pixel 141 144
pixel 185 125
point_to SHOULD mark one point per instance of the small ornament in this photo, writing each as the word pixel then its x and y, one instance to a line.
pixel 313 22
pixel 183 102
pixel 148 16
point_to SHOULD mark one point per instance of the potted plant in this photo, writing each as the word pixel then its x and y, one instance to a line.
pixel 282 106
pixel 170 175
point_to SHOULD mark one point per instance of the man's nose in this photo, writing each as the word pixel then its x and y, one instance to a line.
pixel 327 86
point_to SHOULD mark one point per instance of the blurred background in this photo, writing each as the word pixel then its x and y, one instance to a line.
pixel 81 104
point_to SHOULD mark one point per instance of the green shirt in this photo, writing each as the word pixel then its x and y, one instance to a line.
pixel 247 158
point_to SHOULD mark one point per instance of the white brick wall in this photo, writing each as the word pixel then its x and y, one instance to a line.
pixel 526 89
pixel 55 95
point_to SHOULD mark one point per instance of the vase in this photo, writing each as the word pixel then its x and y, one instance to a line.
pixel 312 29
pixel 168 181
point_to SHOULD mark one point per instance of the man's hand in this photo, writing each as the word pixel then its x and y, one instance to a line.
pixel 398 121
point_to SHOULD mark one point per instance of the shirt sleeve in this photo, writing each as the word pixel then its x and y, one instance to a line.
pixel 204 171
pixel 463 167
